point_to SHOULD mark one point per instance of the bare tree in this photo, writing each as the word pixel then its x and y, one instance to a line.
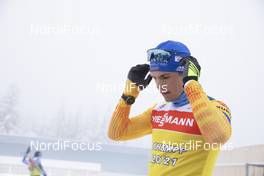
pixel 8 111
pixel 67 125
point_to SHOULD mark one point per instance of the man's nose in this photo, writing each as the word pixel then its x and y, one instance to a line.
pixel 161 86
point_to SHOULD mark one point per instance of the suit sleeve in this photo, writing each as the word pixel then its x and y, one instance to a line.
pixel 122 127
pixel 213 117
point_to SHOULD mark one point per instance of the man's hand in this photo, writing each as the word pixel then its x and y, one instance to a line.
pixel 137 75
pixel 192 69
pixel 136 79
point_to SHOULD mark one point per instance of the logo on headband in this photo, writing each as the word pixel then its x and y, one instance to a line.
pixel 178 58
pixel 180 69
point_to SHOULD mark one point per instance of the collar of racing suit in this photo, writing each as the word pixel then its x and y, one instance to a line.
pixel 181 100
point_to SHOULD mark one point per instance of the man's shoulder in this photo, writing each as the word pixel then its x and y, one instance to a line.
pixel 223 107
pixel 218 103
pixel 160 105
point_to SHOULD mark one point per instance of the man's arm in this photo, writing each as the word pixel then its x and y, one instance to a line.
pixel 122 127
pixel 25 159
pixel 213 117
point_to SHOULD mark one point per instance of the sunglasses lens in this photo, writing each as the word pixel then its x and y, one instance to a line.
pixel 157 55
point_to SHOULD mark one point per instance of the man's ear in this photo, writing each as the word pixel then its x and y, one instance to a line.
pixel 179 74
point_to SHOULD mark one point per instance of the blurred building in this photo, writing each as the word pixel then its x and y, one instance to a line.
pixel 242 161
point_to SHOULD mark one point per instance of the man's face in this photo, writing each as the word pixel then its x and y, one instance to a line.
pixel 169 84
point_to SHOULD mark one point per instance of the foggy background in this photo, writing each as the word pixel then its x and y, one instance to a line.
pixel 64 63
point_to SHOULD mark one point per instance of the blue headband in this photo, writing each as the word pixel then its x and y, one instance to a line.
pixel 167 55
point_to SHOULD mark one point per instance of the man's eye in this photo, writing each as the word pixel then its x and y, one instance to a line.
pixel 165 77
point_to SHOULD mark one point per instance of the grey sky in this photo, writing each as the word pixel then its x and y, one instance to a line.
pixel 57 52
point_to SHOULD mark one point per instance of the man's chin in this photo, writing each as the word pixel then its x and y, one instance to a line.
pixel 167 99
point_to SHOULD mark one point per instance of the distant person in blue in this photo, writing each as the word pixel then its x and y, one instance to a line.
pixel 34 163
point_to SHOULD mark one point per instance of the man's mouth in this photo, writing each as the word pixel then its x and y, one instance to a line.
pixel 165 93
